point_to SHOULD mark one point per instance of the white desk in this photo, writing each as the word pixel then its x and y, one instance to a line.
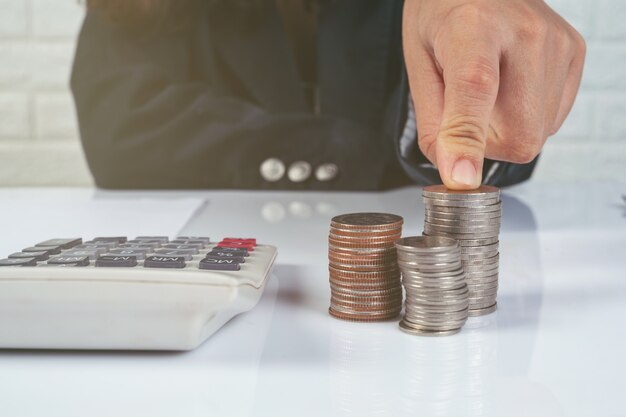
pixel 555 347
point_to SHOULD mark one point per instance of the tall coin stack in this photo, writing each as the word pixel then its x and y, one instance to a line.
pixel 364 276
pixel 433 278
pixel 473 218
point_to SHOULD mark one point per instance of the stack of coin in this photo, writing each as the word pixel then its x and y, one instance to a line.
pixel 433 278
pixel 473 218
pixel 364 277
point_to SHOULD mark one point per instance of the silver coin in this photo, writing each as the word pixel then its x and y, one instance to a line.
pixel 483 311
pixel 461 236
pixel 441 191
pixel 462 223
pixel 464 210
pixel 444 215
pixel 479 204
pixel 466 250
pixel 425 332
pixel 425 244
pixel 464 229
pixel 477 242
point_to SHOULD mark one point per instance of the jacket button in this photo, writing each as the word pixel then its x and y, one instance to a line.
pixel 272 169
pixel 326 172
pixel 299 171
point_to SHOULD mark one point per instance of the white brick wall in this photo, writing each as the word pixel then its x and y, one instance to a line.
pixel 38 132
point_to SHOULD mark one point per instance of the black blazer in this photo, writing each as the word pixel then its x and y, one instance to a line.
pixel 204 106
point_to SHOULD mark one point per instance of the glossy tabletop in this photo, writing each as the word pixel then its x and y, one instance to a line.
pixel 555 347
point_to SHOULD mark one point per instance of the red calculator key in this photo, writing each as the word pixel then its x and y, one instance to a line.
pixel 249 241
pixel 231 244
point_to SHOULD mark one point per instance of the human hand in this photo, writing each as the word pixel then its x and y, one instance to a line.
pixel 489 79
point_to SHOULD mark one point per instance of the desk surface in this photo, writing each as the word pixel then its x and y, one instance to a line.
pixel 554 348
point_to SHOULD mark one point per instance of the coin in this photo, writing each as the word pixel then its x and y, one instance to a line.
pixel 442 192
pixel 363 272
pixel 473 218
pixel 367 221
pixel 437 297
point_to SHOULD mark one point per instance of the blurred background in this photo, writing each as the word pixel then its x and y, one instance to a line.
pixel 39 141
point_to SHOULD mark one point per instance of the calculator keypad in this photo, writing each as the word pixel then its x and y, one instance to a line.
pixel 192 252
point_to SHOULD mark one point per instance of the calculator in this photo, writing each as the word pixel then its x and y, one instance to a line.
pixel 112 292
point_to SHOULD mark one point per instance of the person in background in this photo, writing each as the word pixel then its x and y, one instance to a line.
pixel 321 94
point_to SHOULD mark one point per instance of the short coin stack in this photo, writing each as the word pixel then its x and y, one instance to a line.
pixel 436 293
pixel 473 218
pixel 364 276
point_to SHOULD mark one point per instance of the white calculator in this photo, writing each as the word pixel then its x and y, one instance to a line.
pixel 146 293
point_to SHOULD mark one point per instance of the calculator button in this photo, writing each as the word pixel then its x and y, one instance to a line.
pixel 219 264
pixel 153 238
pixel 240 251
pixel 69 260
pixel 237 245
pixel 205 240
pixel 182 247
pixel 138 253
pixel 198 243
pixel 138 246
pixel 248 241
pixel 185 253
pixel 222 253
pixel 96 244
pixel 52 250
pixel 18 262
pixel 164 262
pixel 63 243
pixel 39 256
pixel 116 261
pixel 227 255
pixel 114 239
pixel 91 253
pixel 153 243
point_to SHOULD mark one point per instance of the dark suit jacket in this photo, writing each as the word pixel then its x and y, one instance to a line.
pixel 204 106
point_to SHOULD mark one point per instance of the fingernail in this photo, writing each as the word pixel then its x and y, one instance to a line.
pixel 464 172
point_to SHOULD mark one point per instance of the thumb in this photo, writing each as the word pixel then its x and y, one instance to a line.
pixel 471 88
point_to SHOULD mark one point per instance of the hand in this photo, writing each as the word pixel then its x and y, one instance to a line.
pixel 489 79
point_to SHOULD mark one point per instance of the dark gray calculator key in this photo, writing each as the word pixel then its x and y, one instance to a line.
pixel 98 244
pixel 63 243
pixel 138 253
pixel 139 246
pixel 92 246
pixel 205 240
pixel 164 262
pixel 116 261
pixel 240 251
pixel 115 239
pixel 199 243
pixel 18 262
pixel 69 260
pixel 39 256
pixel 52 250
pixel 238 259
pixel 163 239
pixel 91 253
pixel 173 252
pixel 225 254
pixel 182 247
pixel 219 264
pixel 153 243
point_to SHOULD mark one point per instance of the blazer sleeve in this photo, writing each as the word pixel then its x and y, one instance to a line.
pixel 147 122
